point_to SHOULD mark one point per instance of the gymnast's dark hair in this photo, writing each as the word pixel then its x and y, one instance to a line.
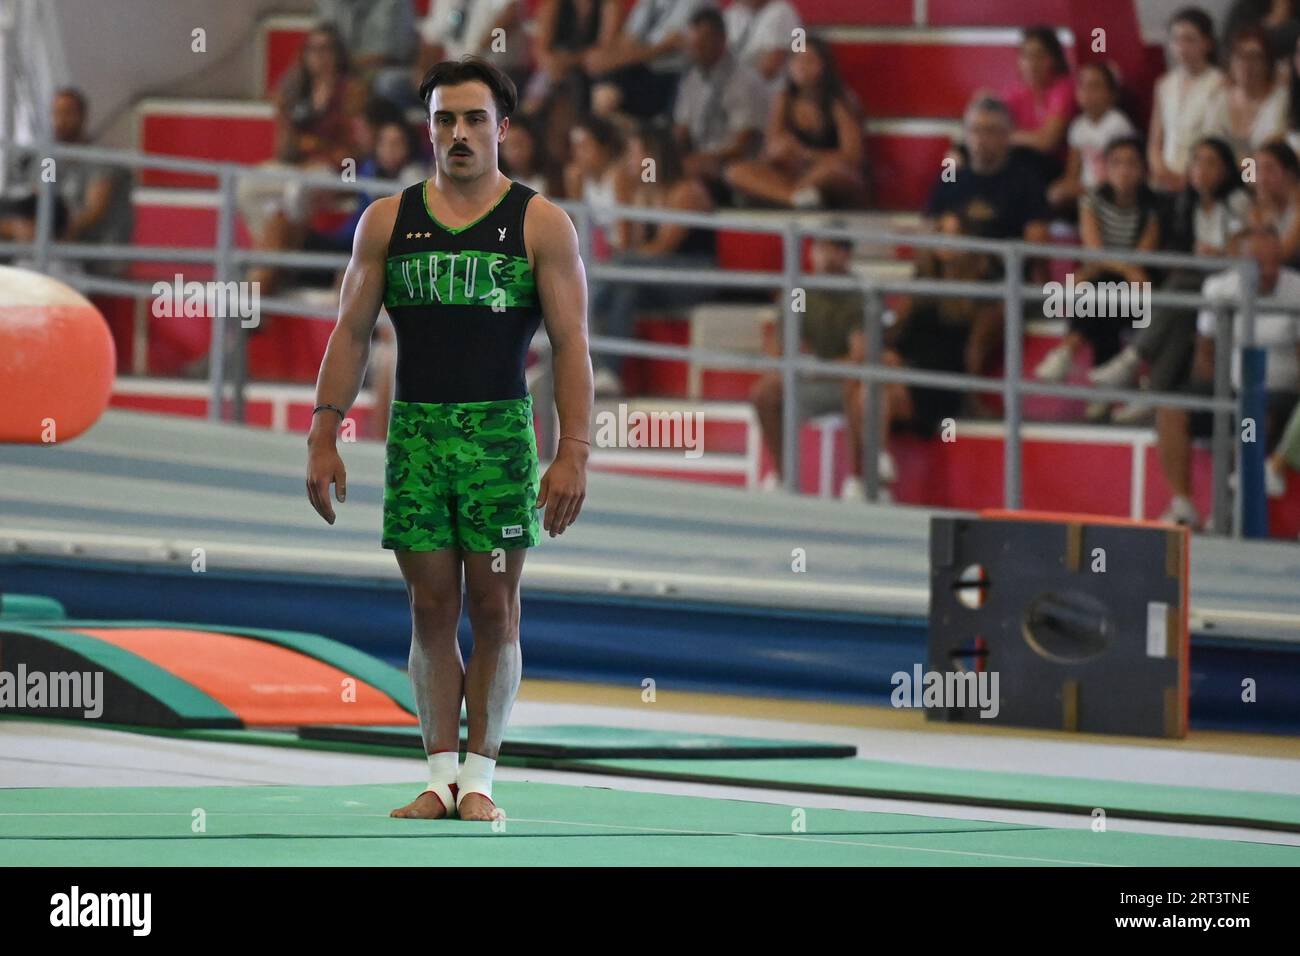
pixel 470 69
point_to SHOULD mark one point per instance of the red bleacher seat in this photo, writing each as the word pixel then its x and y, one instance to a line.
pixel 856 13
pixel 996 13
pixel 282 46
pixel 904 158
pixel 230 132
pixel 934 79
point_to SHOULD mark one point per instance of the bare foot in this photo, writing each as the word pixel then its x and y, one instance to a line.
pixel 427 806
pixel 475 806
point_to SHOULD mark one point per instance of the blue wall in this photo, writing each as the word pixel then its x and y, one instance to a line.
pixel 837 657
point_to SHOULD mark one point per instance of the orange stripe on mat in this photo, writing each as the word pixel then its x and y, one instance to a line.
pixel 264 684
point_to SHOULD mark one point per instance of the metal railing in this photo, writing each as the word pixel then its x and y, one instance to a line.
pixel 1228 512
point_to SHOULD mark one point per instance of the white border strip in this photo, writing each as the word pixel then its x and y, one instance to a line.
pixel 189 198
pixel 934 36
pixel 250 109
pixel 914 127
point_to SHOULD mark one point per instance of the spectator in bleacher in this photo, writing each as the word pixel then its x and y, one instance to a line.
pixel 932 333
pixel 92 201
pixel 1099 122
pixel 597 165
pixel 522 158
pixel 1201 221
pixel 1251 108
pixel 1277 194
pixel 830 329
pixel 636 71
pixel 1286 455
pixel 394 158
pixel 1278 333
pixel 1276 17
pixel 761 36
pixel 813 153
pixel 559 92
pixel 1183 97
pixel 1121 214
pixel 721 105
pixel 1292 80
pixel 456 28
pixel 317 108
pixel 995 182
pixel 663 185
pixel 1041 101
pixel 380 38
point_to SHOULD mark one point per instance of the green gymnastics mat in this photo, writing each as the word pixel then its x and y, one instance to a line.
pixel 547 825
pixel 875 778
pixel 29 607
pixel 578 742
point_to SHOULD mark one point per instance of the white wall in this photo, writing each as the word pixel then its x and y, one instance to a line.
pixel 120 50
pixel 1153 15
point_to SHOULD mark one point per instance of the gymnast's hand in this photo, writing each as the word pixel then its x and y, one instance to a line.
pixel 564 487
pixel 325 467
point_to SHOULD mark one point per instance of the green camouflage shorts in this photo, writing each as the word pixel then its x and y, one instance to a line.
pixel 461 475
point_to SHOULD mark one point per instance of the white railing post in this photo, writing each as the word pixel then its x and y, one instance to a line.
pixel 791 336
pixel 224 269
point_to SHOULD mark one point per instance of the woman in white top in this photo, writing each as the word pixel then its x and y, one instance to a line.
pixel 1252 108
pixel 1183 98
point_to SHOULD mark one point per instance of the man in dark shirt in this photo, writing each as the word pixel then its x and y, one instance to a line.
pixel 993 176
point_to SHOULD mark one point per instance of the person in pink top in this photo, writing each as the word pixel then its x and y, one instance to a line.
pixel 1042 100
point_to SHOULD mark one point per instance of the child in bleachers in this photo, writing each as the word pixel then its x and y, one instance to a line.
pixel 1277 194
pixel 1252 107
pixel 1042 100
pixel 1201 221
pixel 1099 122
pixel 812 152
pixel 1183 97
pixel 1122 214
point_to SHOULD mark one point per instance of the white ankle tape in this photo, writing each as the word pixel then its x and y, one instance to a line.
pixel 443 768
pixel 475 776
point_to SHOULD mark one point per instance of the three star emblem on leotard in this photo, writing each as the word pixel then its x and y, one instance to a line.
pixel 417 235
